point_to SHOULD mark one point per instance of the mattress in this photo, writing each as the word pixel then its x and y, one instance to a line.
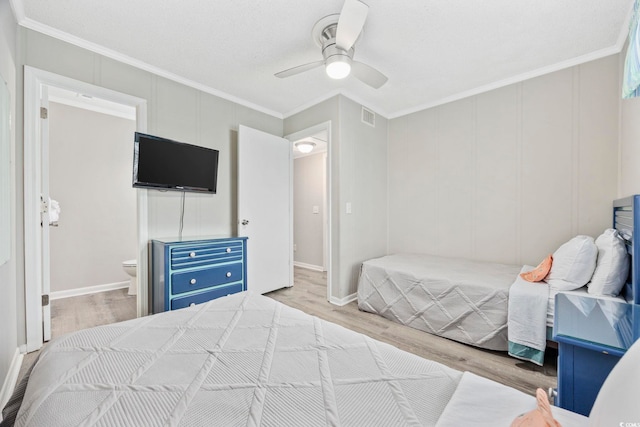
pixel 462 300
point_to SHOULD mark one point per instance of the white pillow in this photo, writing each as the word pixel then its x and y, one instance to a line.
pixel 573 264
pixel 612 266
pixel 617 401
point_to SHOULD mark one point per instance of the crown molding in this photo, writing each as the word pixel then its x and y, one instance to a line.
pixel 101 50
pixel 336 92
pixel 22 20
pixel 512 80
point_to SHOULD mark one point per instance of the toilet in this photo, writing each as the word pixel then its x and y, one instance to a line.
pixel 130 267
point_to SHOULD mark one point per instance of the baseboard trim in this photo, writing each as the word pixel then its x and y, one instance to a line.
pixel 308 266
pixel 343 301
pixel 88 290
pixel 10 380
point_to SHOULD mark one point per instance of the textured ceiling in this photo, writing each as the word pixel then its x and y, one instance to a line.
pixel 431 50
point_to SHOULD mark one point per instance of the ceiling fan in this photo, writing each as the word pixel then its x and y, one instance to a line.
pixel 337 34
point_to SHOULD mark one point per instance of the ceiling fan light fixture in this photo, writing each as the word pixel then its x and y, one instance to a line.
pixel 338 66
pixel 305 146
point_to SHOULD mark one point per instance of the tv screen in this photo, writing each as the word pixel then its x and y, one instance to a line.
pixel 165 164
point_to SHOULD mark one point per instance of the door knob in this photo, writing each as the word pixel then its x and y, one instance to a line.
pixel 245 222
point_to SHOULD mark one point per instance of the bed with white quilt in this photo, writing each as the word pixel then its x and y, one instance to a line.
pixel 248 360
pixel 460 299
pixel 498 306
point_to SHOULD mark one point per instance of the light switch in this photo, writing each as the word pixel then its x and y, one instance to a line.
pixel 316 209
pixel 348 207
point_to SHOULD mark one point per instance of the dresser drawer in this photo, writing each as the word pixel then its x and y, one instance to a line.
pixel 220 291
pixel 196 270
pixel 198 279
pixel 197 255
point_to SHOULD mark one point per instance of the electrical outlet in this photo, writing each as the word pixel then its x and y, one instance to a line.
pixel 295 247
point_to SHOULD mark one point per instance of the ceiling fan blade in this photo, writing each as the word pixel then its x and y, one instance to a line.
pixel 350 23
pixel 299 69
pixel 368 75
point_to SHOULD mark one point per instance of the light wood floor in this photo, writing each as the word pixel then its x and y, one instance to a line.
pixel 309 295
pixel 85 311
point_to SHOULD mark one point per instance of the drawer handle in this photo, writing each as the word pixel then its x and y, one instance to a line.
pixel 192 254
pixel 228 274
pixel 228 250
pixel 193 304
pixel 192 281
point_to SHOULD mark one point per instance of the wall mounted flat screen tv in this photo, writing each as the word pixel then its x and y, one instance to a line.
pixel 164 164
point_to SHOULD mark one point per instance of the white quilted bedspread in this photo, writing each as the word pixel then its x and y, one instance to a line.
pixel 459 299
pixel 239 360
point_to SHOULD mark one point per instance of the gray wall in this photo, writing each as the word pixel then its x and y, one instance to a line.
pixel 308 191
pixel 505 176
pixel 629 147
pixel 8 284
pixel 510 174
pixel 90 160
pixel 326 111
pixel 359 175
pixel 174 110
pixel 363 183
pixel 629 139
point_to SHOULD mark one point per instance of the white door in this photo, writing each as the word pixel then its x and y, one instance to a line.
pixel 264 208
pixel 44 202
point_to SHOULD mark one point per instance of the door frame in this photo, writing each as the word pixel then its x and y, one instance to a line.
pixel 34 81
pixel 296 136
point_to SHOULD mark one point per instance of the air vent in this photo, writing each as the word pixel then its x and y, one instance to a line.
pixel 368 117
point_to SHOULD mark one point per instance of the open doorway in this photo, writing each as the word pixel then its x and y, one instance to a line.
pixel 37 213
pixel 310 201
pixel 92 211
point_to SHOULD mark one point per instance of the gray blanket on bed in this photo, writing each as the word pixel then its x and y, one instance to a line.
pixel 463 300
pixel 240 360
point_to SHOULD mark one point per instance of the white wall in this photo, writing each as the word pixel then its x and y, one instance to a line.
pixel 91 158
pixel 508 175
pixel 9 284
pixel 308 191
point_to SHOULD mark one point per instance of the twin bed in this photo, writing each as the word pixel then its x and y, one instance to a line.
pixel 471 302
pixel 463 300
pixel 483 304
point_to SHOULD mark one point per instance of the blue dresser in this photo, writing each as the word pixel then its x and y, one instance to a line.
pixel 188 272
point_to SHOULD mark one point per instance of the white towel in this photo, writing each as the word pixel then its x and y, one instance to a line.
pixel 54 211
pixel 528 312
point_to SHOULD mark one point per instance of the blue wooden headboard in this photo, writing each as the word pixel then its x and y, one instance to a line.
pixel 626 219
